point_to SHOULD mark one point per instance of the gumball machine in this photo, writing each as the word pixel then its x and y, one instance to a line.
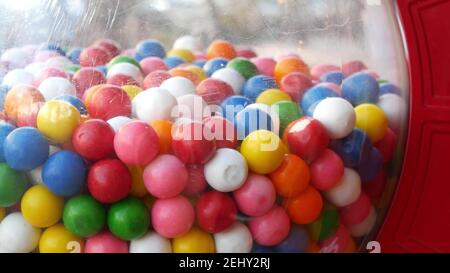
pixel 200 126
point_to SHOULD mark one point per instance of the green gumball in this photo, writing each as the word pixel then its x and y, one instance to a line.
pixel 288 112
pixel 12 185
pixel 244 66
pixel 128 219
pixel 83 215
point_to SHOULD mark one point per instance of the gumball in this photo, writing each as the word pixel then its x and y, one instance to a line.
pixel 122 79
pixel 215 211
pixel 214 91
pixel 172 217
pixel 306 207
pixel 288 111
pixel 244 66
pixel 16 57
pixel 371 166
pixel 346 191
pixel 178 86
pixel 12 185
pixel 58 62
pixel 221 48
pixel 231 77
pixel 74 54
pixel 89 93
pixel 47 73
pixel 181 71
pixel 5 129
pixel 366 226
pixel 136 143
pixel 223 132
pixel 163 128
pixel 131 90
pixel 296 242
pixel 149 48
pixel 387 145
pixel 124 68
pixel 44 55
pixel 336 243
pixel 235 239
pixel 265 65
pixel 22 104
pixel 123 59
pixel 326 170
pixel 335 77
pixel 374 189
pixel 355 212
pixel 151 242
pixel 40 207
pixel 109 102
pixel 321 69
pixel 295 84
pixel 16 77
pixel 192 107
pixel 76 102
pixel 85 78
pixel 188 42
pixel 352 67
pixel 395 109
pixel 337 116
pixel 389 88
pixel 256 197
pixel 289 65
pixel 17 235
pixel 314 95
pixel 94 56
pixel 109 181
pixel 272 96
pixel 117 122
pixel 292 177
pixel 83 215
pixel 128 219
pixel 196 180
pixel 154 104
pixel 271 228
pixel 190 143
pixel 183 53
pixel 233 105
pixel 226 171
pixel 105 242
pixel 112 47
pixel 214 64
pixel 198 71
pixel 326 225
pixel 138 188
pixel 173 61
pixel 151 64
pixel 360 88
pixel 155 78
pixel 57 239
pixel 64 173
pixel 372 120
pixel 353 149
pixel 57 120
pixel 306 138
pixel 93 139
pixel 258 84
pixel 194 241
pixel 251 119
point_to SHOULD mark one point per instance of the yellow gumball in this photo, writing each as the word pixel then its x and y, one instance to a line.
pixel 372 120
pixel 272 96
pixel 57 239
pixel 131 90
pixel 263 151
pixel 138 188
pixel 2 213
pixel 40 207
pixel 184 54
pixel 198 71
pixel 57 120
pixel 195 241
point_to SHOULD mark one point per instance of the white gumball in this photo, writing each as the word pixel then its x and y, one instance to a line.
pixel 346 191
pixel 365 226
pixel 337 115
pixel 232 77
pixel 119 121
pixel 226 171
pixel 125 69
pixel 56 86
pixel 17 57
pixel 187 42
pixel 395 109
pixel 190 106
pixel 154 104
pixel 151 242
pixel 17 235
pixel 18 76
pixel 178 86
pixel 235 239
pixel 35 68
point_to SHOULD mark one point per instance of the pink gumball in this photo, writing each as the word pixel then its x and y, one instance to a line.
pixel 155 78
pixel 165 177
pixel 246 53
pixel 356 212
pixel 271 228
pixel 352 67
pixel 265 66
pixel 321 69
pixel 172 217
pixel 256 197
pixel 105 242
pixel 47 73
pixel 295 84
pixel 326 170
pixel 44 55
pixel 151 64
pixel 196 181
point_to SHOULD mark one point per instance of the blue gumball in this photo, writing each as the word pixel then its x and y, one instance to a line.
pixel 251 119
pixel 173 61
pixel 64 173
pixel 74 55
pixel 389 88
pixel 371 166
pixel 53 47
pixel 335 77
pixel 233 105
pixel 261 249
pixel 25 148
pixel 214 64
pixel 199 63
pixel 258 84
pixel 149 48
pixel 314 95
pixel 353 149
pixel 5 129
pixel 296 242
pixel 76 102
pixel 360 88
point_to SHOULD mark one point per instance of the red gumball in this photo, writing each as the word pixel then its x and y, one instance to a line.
pixel 246 53
pixel 85 78
pixel 386 146
pixel 109 102
pixel 196 182
pixel 295 84
pixel 112 47
pixel 326 170
pixel 307 138
pixel 223 131
pixel 214 91
pixel 121 79
pixel 190 143
pixel 109 181
pixel 356 212
pixel 155 78
pixel 47 73
pixel 94 56
pixel 151 64
pixel 375 188
pixel 94 139
pixel 216 211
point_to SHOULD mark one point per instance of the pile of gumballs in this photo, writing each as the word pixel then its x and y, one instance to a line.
pixel 143 150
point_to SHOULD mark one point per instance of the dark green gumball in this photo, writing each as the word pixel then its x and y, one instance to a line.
pixel 288 112
pixel 12 185
pixel 326 225
pixel 128 219
pixel 83 215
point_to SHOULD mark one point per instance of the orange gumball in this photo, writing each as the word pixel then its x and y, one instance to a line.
pixel 221 49
pixel 288 65
pixel 22 104
pixel 163 129
pixel 306 207
pixel 185 73
pixel 292 176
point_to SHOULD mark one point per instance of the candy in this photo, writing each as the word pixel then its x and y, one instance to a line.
pixel 296 242
pixel 395 109
pixel 215 211
pixel 194 241
pixel 105 242
pixel 17 235
pixel 109 181
pixel 172 217
pixel 48 73
pixel 223 130
pixel 365 226
pixel 57 239
pixel 12 185
pixel 187 42
pixel 231 77
pixel 360 88
pixel 151 242
pixel 173 61
pixel 326 170
pixel 337 116
pixel 372 120
pixel 272 96
pixel 74 54
pixel 155 78
pixel 16 77
pixel 258 84
pixel 233 105
pixel 22 104
pixel 93 139
pixel 154 104
pixel 183 53
pixel 214 64
pixel 178 86
pixel 40 207
pixel 271 228
pixel 369 168
pixel 221 48
pixel 85 78
pixel 244 66
pixel 353 149
pixel 289 65
pixel 295 84
pixel 123 59
pixel 76 102
pixel 108 102
pixel 83 216
pixel 94 56
pixel 214 91
pixel 112 47
pixel 264 65
pixel 355 212
pixel 117 122
pixel 389 88
pixel 149 48
pixel 122 79
pixel 326 225
pixel 353 67
pixel 288 112
pixel 292 177
pixel 124 69
pixel 128 219
pixel 151 64
pixel 235 239
pixel 314 95
pixel 346 191
pixel 387 145
pixel 335 77
pixel 256 197
pixel 306 207
pixel 163 128
pixel 252 119
pixel 196 181
pixel 321 69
